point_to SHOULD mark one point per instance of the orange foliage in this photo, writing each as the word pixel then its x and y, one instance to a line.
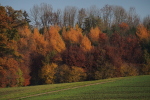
pixel 86 44
pixel 94 34
pixel 124 26
pixel 24 32
pixel 74 35
pixel 55 40
pixel 10 73
pixel 40 45
pixel 142 32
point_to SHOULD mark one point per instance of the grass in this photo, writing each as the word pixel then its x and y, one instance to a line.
pixel 137 87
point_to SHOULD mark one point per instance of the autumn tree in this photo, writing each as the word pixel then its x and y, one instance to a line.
pixel 85 44
pixel 142 33
pixel 73 35
pixel 129 70
pixel 94 34
pixel 10 73
pixel 124 26
pixel 145 69
pixel 23 44
pixel 40 45
pixel 70 74
pixel 92 22
pixel 74 56
pixel 54 39
pixel 47 73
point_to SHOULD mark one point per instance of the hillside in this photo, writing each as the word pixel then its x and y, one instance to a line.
pixel 135 87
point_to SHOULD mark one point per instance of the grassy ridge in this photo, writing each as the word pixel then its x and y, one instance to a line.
pixel 127 88
pixel 18 92
pixel 137 87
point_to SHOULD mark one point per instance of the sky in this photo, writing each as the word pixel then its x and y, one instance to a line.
pixel 142 6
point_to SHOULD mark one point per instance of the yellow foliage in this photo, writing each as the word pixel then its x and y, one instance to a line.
pixel 128 70
pixel 86 44
pixel 48 72
pixel 73 35
pixel 77 74
pixel 142 32
pixel 94 34
pixel 55 39
pixel 70 74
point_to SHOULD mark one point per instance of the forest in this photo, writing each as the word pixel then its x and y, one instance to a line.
pixel 47 46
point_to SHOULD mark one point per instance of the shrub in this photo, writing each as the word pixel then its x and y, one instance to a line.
pixel 70 74
pixel 128 70
pixel 47 73
pixel 105 71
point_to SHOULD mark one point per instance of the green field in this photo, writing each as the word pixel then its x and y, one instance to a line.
pixel 137 87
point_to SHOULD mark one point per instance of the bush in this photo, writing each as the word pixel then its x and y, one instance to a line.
pixel 105 71
pixel 70 74
pixel 128 70
pixel 77 74
pixel 47 73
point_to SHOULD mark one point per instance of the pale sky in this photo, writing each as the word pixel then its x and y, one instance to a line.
pixel 142 6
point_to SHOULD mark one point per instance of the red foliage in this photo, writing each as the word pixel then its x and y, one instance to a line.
pixel 74 56
pixel 103 39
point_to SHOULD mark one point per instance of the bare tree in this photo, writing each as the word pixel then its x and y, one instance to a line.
pixel 42 16
pixel 46 14
pixel 120 14
pixel 57 18
pixel 81 16
pixel 69 16
pixel 133 18
pixel 107 15
pixel 146 21
pixel 34 15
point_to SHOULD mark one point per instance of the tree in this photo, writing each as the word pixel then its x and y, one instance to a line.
pixel 85 44
pixel 142 33
pixel 47 73
pixel 107 15
pixel 145 69
pixel 23 44
pixel 94 34
pixel 40 45
pixel 119 14
pixel 70 74
pixel 124 26
pixel 146 22
pixel 81 17
pixel 42 15
pixel 73 35
pixel 128 70
pixel 133 18
pixel 74 56
pixel 10 73
pixel 69 16
pixel 54 39
pixel 92 22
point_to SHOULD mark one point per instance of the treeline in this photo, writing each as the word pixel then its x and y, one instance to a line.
pixel 44 15
pixel 55 50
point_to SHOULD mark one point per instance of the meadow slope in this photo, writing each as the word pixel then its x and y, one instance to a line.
pixel 135 87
